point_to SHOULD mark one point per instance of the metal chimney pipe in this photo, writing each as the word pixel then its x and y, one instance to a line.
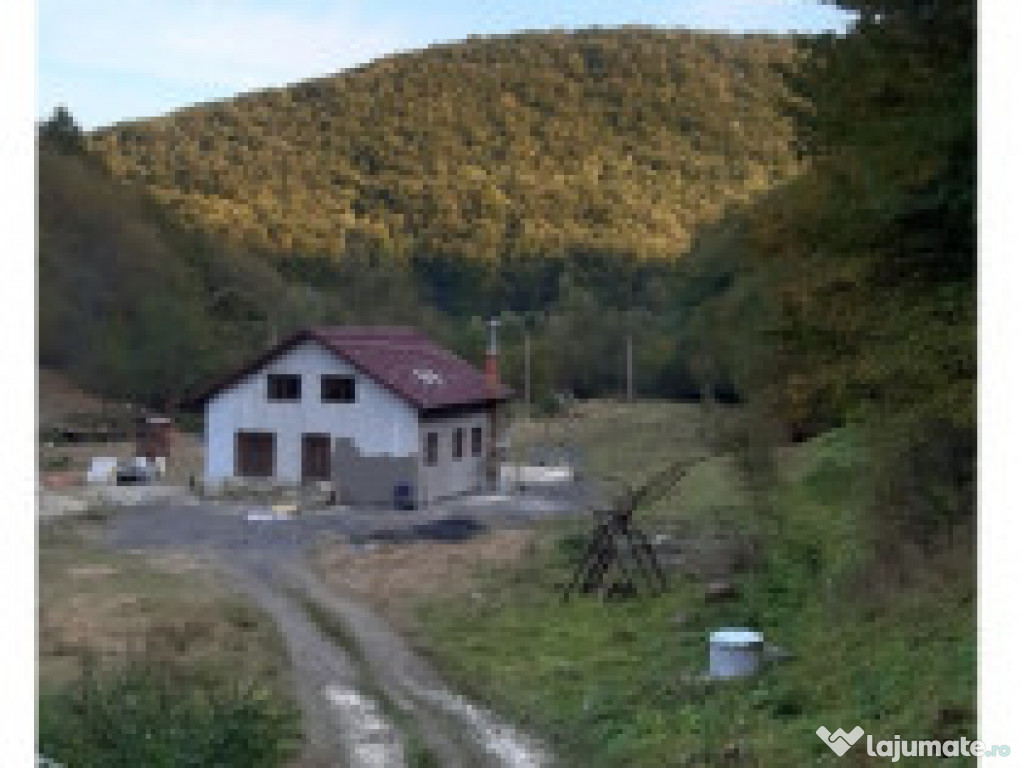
pixel 493 355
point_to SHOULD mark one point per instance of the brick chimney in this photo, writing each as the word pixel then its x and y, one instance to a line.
pixel 492 370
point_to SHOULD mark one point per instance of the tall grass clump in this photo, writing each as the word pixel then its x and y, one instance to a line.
pixel 155 715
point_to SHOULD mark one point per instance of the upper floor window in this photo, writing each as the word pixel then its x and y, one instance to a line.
pixel 476 441
pixel 283 386
pixel 337 389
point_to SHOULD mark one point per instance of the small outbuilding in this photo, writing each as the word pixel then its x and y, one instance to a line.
pixel 382 413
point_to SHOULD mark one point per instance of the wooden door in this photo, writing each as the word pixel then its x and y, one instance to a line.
pixel 315 457
pixel 254 454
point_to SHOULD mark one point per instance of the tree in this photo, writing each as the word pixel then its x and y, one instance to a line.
pixel 871 254
pixel 61 133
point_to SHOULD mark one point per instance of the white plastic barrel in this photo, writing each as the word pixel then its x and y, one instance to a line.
pixel 734 652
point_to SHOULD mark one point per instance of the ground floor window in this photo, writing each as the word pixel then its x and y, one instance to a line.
pixel 458 447
pixel 254 454
pixel 432 448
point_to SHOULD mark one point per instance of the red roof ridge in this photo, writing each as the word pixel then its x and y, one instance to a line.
pixel 387 355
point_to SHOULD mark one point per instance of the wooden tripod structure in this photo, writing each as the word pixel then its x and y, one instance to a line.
pixel 617 544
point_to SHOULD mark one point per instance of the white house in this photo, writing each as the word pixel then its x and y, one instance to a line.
pixel 368 409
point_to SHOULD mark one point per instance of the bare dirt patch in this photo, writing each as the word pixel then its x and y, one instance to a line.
pixel 177 562
pixel 109 607
pixel 392 576
pixel 90 571
pixel 59 397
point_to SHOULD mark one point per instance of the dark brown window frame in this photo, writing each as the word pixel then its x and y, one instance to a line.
pixel 283 387
pixel 326 381
pixel 308 472
pixel 432 449
pixel 457 444
pixel 476 441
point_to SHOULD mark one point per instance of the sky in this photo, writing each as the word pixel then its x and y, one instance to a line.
pixel 110 60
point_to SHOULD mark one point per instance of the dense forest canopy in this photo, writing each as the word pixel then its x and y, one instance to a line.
pixel 849 295
pixel 611 141
pixel 134 306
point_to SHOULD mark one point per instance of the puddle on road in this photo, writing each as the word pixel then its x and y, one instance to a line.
pixel 373 742
pixel 511 747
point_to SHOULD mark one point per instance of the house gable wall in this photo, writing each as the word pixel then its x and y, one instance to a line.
pixel 378 423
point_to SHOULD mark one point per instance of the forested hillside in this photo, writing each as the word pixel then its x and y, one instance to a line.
pixel 601 141
pixel 133 306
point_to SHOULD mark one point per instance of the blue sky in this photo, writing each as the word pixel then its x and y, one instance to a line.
pixel 111 60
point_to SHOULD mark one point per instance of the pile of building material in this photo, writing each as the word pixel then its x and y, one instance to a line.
pixel 275 513
pixel 138 470
pixel 265 492
pixel 517 476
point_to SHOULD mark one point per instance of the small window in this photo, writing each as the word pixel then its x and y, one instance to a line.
pixel 432 449
pixel 476 441
pixel 283 386
pixel 458 447
pixel 337 389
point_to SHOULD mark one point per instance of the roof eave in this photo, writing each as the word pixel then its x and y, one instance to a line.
pixel 317 335
pixel 447 409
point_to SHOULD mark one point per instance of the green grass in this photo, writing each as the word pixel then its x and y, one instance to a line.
pixel 619 440
pixel 618 683
pixel 157 715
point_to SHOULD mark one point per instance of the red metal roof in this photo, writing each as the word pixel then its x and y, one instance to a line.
pixel 401 359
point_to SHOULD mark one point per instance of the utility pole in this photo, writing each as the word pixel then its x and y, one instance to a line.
pixel 528 374
pixel 630 372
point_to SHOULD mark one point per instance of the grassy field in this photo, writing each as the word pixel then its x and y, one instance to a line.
pixel 890 647
pixel 150 660
pixel 624 441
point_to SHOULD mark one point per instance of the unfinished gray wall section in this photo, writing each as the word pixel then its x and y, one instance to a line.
pixel 366 479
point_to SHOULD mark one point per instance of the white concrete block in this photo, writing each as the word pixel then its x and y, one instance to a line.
pixel 102 469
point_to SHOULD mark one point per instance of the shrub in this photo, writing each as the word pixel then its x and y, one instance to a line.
pixel 152 715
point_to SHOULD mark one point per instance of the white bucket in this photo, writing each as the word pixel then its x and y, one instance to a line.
pixel 734 652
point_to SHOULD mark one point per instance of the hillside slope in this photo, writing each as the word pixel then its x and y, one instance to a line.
pixel 130 308
pixel 612 141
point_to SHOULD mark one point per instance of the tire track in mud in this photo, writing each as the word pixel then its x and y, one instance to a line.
pixel 364 693
pixel 458 732
pixel 342 726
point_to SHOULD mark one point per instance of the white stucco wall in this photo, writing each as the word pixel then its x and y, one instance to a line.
pixel 452 476
pixel 378 422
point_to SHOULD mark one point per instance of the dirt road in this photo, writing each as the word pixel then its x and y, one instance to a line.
pixel 368 700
